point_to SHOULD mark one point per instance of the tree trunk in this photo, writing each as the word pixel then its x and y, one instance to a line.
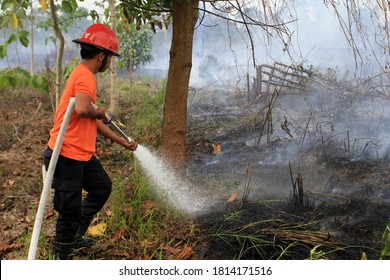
pixel 114 92
pixel 60 50
pixel 185 16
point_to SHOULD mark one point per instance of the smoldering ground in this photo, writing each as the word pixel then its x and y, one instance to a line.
pixel 333 136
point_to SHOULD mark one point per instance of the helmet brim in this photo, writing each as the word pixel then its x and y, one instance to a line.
pixel 81 42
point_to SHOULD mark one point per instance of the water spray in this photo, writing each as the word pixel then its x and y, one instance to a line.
pixel 169 185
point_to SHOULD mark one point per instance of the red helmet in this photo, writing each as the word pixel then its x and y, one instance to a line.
pixel 100 36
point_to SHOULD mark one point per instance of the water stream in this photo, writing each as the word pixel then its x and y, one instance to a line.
pixel 180 193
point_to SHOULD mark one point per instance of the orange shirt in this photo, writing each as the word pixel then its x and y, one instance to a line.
pixel 80 137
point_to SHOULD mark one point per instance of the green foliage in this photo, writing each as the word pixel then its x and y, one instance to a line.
pixel 14 13
pixel 12 16
pixel 68 14
pixel 386 237
pixel 153 12
pixel 67 70
pixel 69 6
pixel 135 47
pixel 147 110
pixel 18 78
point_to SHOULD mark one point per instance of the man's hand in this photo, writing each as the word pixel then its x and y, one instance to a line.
pixel 132 145
pixel 101 114
pixel 105 131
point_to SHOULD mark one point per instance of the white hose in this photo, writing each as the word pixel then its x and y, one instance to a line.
pixel 48 180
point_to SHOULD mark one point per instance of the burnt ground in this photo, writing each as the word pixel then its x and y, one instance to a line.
pixel 339 209
pixel 320 182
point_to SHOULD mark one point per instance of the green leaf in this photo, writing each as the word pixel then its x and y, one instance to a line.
pixel 50 39
pixel 73 4
pixel 94 15
pixel 3 51
pixel 24 33
pixel 39 83
pixel 11 38
pixel 8 5
pixel 67 7
pixel 24 41
pixel 4 81
pixel 12 81
pixel 4 20
pixel 20 76
pixel 35 82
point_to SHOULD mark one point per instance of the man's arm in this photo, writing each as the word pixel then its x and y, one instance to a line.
pixel 84 107
pixel 104 130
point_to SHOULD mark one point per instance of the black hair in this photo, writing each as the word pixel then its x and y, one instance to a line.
pixel 89 51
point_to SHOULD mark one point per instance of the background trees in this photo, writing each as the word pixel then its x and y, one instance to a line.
pixel 135 47
pixel 275 19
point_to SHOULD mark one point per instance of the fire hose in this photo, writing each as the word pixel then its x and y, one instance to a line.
pixel 50 173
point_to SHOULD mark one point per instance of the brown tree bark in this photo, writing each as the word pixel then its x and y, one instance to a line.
pixel 185 16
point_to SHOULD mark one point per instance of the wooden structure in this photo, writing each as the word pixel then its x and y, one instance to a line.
pixel 278 75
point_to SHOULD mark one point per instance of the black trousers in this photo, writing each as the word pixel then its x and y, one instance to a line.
pixel 70 178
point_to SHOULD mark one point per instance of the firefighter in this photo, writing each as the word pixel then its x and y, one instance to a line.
pixel 77 167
